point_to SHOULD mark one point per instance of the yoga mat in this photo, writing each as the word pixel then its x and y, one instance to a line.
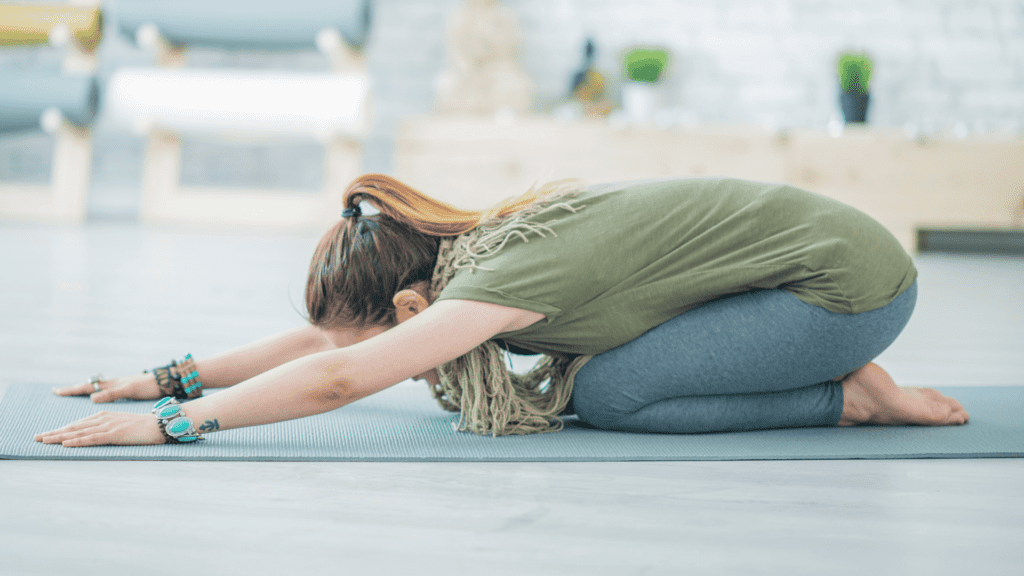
pixel 31 24
pixel 253 24
pixel 403 423
pixel 238 102
pixel 24 96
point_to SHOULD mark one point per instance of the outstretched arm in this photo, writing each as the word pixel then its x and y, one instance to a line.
pixel 319 382
pixel 249 361
pixel 222 370
pixel 245 362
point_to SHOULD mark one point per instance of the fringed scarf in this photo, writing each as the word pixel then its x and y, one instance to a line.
pixel 492 400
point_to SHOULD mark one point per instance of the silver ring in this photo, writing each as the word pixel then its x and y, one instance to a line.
pixel 96 386
pixel 95 381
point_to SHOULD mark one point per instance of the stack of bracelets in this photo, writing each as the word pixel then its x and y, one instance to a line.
pixel 179 379
pixel 175 426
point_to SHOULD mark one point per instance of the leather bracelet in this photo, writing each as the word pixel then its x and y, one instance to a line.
pixel 175 426
pixel 163 380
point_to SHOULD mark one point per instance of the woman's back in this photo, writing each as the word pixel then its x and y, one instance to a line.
pixel 633 255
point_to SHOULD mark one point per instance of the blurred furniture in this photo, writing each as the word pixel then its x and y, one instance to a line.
pixel 475 161
pixel 78 27
pixel 162 103
pixel 906 184
pixel 482 72
pixel 903 183
pixel 63 103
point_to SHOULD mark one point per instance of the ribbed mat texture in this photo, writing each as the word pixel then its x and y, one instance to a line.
pixel 404 424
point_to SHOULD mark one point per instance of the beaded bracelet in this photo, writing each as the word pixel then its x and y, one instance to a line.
pixel 189 378
pixel 175 426
pixel 179 379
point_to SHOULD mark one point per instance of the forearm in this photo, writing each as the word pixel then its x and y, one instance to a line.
pixel 253 359
pixel 310 385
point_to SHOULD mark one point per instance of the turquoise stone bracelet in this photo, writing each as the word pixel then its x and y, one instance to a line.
pixel 175 426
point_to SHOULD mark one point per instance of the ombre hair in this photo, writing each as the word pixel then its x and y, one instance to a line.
pixel 363 261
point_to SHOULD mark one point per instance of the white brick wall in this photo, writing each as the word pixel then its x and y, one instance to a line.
pixel 762 62
pixel 938 62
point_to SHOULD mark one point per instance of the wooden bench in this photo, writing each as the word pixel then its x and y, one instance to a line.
pixel 61 103
pixel 171 100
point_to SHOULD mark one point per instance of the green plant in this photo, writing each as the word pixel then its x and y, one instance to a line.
pixel 854 72
pixel 645 64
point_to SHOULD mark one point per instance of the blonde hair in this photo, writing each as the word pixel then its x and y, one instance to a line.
pixel 433 217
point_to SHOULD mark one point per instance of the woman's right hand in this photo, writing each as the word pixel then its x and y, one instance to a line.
pixel 140 387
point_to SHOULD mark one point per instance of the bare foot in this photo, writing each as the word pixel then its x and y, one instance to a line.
pixel 871 397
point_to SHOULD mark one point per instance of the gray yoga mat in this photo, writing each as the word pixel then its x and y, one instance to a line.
pixel 404 424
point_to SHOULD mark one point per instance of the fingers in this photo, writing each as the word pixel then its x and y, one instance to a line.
pixel 112 428
pixel 93 385
pixel 88 438
pixel 69 431
pixel 69 436
pixel 108 395
pixel 76 390
pixel 130 388
pixel 142 387
pixel 105 391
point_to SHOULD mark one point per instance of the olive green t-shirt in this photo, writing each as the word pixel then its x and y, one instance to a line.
pixel 636 254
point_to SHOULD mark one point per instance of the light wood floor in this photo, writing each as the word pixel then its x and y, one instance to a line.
pixel 123 297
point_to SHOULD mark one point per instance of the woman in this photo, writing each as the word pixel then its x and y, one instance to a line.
pixel 662 306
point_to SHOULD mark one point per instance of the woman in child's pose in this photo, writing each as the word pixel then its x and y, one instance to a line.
pixel 672 306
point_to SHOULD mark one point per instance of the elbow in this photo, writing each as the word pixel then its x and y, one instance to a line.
pixel 335 387
pixel 331 397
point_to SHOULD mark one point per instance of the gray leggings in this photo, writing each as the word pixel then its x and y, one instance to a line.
pixel 756 360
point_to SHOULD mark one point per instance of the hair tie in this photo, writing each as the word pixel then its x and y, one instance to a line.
pixel 350 212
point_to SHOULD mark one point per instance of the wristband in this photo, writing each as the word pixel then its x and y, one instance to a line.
pixel 175 426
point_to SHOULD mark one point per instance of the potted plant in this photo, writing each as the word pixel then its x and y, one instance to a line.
pixel 644 66
pixel 854 83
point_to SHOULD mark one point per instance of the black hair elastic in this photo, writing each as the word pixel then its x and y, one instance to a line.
pixel 350 212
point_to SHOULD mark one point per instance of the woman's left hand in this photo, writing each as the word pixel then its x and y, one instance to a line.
pixel 116 428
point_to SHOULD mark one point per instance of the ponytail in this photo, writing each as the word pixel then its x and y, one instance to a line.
pixel 428 215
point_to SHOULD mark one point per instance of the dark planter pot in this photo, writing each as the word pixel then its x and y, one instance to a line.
pixel 855 107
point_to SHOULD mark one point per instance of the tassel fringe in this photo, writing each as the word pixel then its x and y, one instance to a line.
pixel 493 401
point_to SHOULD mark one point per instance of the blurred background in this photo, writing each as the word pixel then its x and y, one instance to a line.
pixel 260 112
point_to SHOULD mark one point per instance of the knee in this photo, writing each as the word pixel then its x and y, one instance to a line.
pixel 594 405
pixel 598 415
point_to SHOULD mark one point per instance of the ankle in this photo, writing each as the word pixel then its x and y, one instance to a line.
pixel 858 406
